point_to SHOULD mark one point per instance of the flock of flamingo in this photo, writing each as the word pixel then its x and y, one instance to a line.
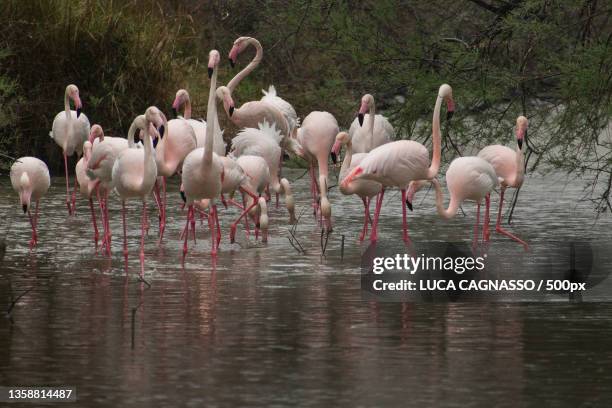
pixel 195 150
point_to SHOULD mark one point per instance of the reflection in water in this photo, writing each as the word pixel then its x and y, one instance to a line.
pixel 266 325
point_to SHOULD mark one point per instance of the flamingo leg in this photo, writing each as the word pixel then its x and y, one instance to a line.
pixel 67 185
pixel 213 229
pixel 125 250
pixel 193 224
pixel 218 227
pixel 366 214
pixel 34 239
pixel 162 226
pixel 93 221
pixel 185 233
pixel 379 200
pixel 502 231
pixel 246 219
pixel 76 185
pixel 280 174
pixel 404 222
pixel 487 219
pixel 244 213
pixel 157 198
pixel 142 235
pixel 103 215
pixel 475 243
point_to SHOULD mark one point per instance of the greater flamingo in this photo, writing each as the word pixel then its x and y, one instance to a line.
pixel 87 186
pixel 177 141
pixel 365 189
pixel 30 179
pixel 377 130
pixel 134 174
pixel 467 178
pixel 199 126
pixel 509 166
pixel 316 136
pixel 104 152
pixel 202 169
pixel 264 141
pixel 396 164
pixel 70 130
pixel 257 180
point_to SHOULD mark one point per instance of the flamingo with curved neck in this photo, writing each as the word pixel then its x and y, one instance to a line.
pixel 396 164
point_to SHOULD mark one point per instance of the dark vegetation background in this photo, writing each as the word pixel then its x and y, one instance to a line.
pixel 549 60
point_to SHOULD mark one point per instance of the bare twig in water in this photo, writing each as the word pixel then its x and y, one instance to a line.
pixel 15 300
pixel 302 176
pixel 293 240
pixel 342 249
pixel 324 244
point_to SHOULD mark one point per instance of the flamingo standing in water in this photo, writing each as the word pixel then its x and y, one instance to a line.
pixel 377 130
pixel 30 179
pixel 87 186
pixel 509 166
pixel 134 174
pixel 365 189
pixel 396 164
pixel 70 130
pixel 199 126
pixel 264 141
pixel 177 142
pixel 467 178
pixel 203 170
pixel 257 180
pixel 316 136
pixel 104 152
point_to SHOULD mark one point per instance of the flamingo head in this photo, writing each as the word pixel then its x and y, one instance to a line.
pixel 446 92
pixel 213 61
pixel 239 46
pixel 182 96
pixel 341 139
pixel 413 187
pixel 96 132
pixel 73 93
pixel 225 95
pixel 25 191
pixel 521 130
pixel 155 117
pixel 367 101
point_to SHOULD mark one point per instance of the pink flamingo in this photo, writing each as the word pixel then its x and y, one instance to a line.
pixel 30 179
pixel 467 178
pixel 264 141
pixel 316 136
pixel 377 131
pixel 257 180
pixel 104 152
pixel 199 126
pixel 177 142
pixel 87 186
pixel 70 129
pixel 134 174
pixel 365 189
pixel 396 164
pixel 509 166
pixel 203 170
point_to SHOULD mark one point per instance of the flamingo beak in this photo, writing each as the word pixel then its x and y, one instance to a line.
pixel 155 142
pixel 334 157
pixel 78 112
pixel 161 130
pixel 449 114
pixel 25 208
pixel 174 112
pixel 450 108
pixel 231 110
pixel 360 118
pixel 183 196
pixel 409 204
pixel 520 144
pixel 232 62
pixel 210 72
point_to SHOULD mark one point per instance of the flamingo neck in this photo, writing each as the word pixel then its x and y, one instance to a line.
pixel 372 113
pixel 436 141
pixel 67 106
pixel 520 168
pixel 249 68
pixel 136 124
pixel 148 148
pixel 453 206
pixel 212 122
pixel 187 111
pixel 348 157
